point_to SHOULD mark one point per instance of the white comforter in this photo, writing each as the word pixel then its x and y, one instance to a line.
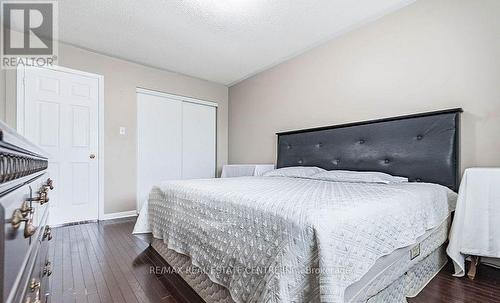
pixel 277 239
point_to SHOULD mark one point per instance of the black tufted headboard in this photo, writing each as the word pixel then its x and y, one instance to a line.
pixel 423 147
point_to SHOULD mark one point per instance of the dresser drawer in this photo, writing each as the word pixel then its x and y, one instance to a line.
pixel 24 220
pixel 37 286
pixel 33 282
pixel 45 267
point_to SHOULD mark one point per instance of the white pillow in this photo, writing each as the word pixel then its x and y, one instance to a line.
pixel 294 172
pixel 357 177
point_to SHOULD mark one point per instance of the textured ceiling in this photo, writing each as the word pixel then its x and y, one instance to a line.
pixel 223 41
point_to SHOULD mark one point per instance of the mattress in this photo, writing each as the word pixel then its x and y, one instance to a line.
pixel 415 279
pixel 338 230
pixel 391 279
pixel 390 267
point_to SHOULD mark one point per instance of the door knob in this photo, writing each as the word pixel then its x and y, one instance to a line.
pixel 92 156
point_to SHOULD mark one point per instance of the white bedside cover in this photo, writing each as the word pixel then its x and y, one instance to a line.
pixel 475 229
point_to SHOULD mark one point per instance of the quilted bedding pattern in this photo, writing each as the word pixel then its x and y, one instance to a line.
pixel 276 239
pixel 403 278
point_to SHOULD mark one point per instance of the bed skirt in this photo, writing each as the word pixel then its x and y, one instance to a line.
pixel 404 280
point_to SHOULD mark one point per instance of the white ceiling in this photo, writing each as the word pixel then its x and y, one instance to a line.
pixel 224 41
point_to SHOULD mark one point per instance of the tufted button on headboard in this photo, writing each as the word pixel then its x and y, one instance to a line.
pixel 423 147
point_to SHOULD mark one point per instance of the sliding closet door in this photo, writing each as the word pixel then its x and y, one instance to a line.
pixel 198 140
pixel 159 142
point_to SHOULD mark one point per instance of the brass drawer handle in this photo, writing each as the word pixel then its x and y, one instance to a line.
pixel 42 197
pixel 17 218
pixel 36 299
pixel 47 234
pixel 29 228
pixel 49 184
pixel 47 269
pixel 26 209
pixel 35 285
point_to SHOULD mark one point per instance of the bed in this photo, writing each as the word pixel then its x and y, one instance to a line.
pixel 293 239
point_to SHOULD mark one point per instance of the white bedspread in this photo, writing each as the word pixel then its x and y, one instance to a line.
pixel 277 239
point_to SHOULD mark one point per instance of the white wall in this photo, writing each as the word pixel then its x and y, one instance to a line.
pixel 121 78
pixel 431 55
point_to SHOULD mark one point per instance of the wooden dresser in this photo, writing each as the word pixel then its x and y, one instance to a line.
pixel 24 193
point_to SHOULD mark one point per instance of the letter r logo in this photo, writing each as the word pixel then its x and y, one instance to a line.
pixel 28 28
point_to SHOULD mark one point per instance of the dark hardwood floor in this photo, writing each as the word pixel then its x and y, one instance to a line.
pixel 103 262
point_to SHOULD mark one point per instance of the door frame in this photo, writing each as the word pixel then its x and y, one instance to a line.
pixel 175 97
pixel 152 92
pixel 20 112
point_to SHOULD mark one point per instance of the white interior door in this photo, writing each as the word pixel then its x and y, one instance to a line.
pixel 198 141
pixel 61 116
pixel 159 142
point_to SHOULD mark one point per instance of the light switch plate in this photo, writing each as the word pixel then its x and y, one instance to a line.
pixel 122 130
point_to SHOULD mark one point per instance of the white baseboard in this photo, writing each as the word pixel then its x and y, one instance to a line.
pixel 123 214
